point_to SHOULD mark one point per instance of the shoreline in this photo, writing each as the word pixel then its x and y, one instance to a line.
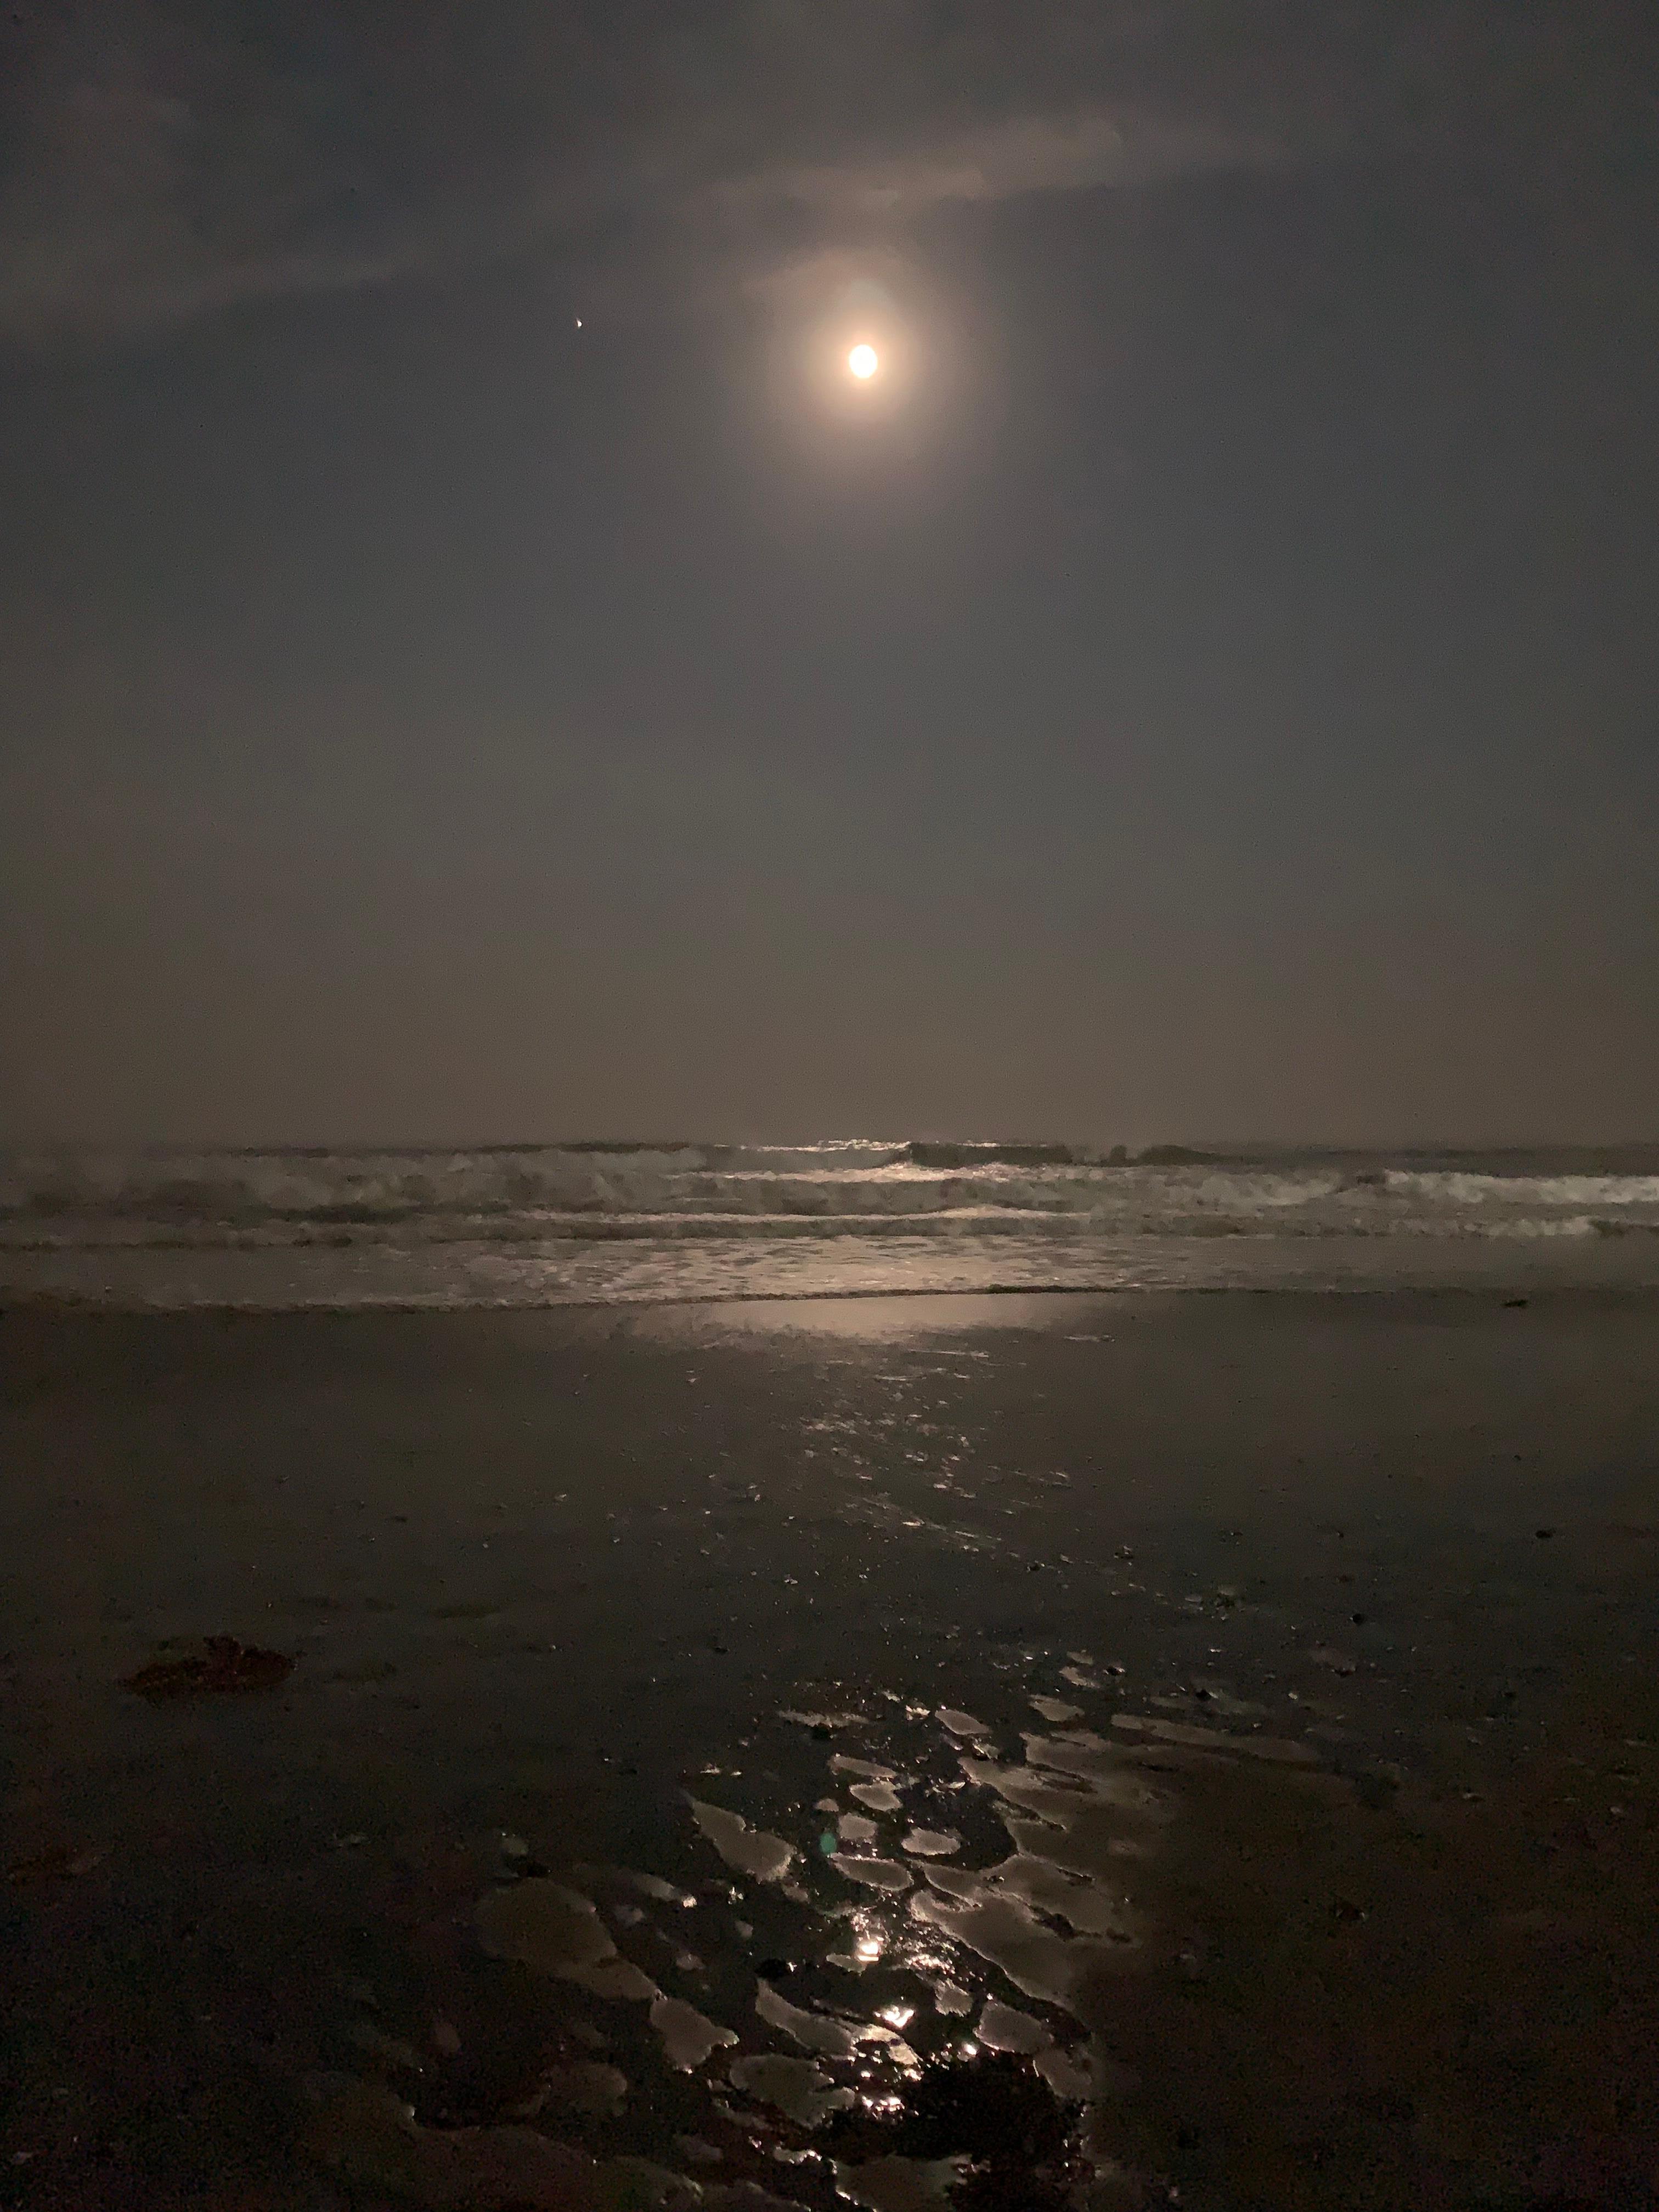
pixel 829 1264
pixel 1519 1291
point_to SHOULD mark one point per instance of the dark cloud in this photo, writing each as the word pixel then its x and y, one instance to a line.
pixel 113 217
pixel 171 156
pixel 168 158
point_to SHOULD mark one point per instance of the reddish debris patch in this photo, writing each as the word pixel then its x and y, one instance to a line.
pixel 219 1666
pixel 63 1863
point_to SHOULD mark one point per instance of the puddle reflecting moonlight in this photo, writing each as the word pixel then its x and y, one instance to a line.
pixel 1160 1962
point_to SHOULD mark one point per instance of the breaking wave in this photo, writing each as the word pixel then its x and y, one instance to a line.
pixel 595 1191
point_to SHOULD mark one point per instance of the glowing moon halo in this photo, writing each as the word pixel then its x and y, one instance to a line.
pixel 863 362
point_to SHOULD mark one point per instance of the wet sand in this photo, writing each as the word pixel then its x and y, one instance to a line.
pixel 1248 1698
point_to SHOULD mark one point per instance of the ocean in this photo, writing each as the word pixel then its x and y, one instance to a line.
pixel 530 1226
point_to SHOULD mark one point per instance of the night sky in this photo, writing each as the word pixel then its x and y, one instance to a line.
pixel 1206 686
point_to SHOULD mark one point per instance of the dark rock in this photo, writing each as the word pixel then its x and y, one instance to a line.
pixel 220 1668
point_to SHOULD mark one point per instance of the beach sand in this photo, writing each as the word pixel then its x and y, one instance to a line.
pixel 1324 1869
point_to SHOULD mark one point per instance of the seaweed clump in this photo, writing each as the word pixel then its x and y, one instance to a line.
pixel 995 2113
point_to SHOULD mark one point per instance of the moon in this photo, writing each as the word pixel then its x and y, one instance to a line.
pixel 864 362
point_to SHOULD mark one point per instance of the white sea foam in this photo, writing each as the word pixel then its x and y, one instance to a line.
pixel 1456 1187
